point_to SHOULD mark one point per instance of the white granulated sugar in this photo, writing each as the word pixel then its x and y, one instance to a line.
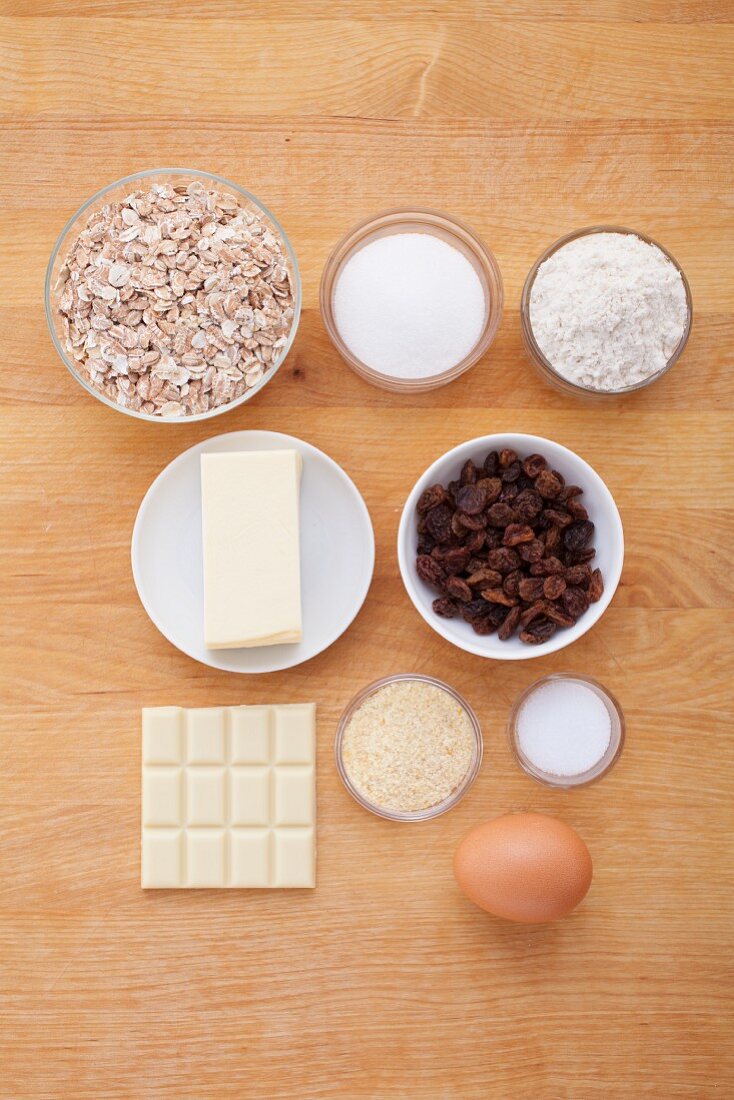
pixel 564 728
pixel 608 310
pixel 409 305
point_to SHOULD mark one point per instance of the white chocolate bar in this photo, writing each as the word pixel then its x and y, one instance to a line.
pixel 251 541
pixel 228 797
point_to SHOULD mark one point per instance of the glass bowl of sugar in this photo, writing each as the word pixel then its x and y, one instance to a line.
pixel 566 730
pixel 411 299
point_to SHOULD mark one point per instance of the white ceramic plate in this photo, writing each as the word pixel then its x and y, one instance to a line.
pixel 608 540
pixel 337 554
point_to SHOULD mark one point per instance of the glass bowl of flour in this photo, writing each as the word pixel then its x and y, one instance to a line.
pixel 605 311
pixel 411 299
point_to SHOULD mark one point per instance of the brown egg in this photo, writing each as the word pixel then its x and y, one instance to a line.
pixel 524 867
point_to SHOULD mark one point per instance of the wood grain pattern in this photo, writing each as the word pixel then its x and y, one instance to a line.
pixel 527 120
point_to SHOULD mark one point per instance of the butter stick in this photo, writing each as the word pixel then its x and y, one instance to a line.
pixel 250 529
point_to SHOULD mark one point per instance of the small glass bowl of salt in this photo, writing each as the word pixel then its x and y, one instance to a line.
pixel 411 299
pixel 566 730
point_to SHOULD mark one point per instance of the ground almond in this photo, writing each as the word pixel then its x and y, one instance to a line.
pixel 408 746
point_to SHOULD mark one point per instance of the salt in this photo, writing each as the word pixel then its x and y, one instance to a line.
pixel 564 728
pixel 409 305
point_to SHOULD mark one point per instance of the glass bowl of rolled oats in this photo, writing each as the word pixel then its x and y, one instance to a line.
pixel 173 295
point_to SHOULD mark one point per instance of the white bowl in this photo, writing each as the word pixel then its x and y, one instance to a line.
pixel 608 541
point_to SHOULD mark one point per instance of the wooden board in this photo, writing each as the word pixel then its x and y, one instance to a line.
pixel 527 120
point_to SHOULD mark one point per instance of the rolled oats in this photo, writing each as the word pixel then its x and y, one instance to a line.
pixel 176 300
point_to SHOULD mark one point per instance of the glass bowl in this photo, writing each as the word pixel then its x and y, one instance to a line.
pixel 431 811
pixel 545 368
pixel 415 220
pixel 602 766
pixel 119 190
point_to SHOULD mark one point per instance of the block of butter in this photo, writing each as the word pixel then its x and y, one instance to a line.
pixel 252 567
pixel 229 797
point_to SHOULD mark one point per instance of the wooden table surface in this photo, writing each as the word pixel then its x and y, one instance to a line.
pixel 526 120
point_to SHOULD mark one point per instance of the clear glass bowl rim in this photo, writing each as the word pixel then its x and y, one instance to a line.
pixel 430 218
pixel 431 811
pixel 543 364
pixel 593 774
pixel 124 181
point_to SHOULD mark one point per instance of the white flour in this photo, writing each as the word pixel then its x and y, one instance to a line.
pixel 608 310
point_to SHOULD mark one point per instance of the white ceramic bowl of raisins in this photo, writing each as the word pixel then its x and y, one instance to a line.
pixel 554 593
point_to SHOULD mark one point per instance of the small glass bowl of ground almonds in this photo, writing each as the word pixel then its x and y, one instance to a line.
pixel 173 295
pixel 408 747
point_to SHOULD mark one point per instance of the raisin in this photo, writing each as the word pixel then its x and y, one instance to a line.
pixel 472 523
pixel 546 567
pixel 531 551
pixel 596 587
pixel 499 515
pixel 483 626
pixel 456 560
pixel 429 570
pixel 472 500
pixel 528 505
pixel 533 612
pixel 475 609
pixel 459 589
pixel 575 601
pixel 509 493
pixel 438 523
pixel 553 586
pixel 445 608
pixel 557 518
pixel 469 473
pixel 475 542
pixel 581 556
pixel 515 533
pixel 432 497
pixel 576 509
pixel 492 487
pixel 548 484
pixel 569 491
pixel 425 544
pixel 557 615
pixel 457 527
pixel 533 465
pixel 498 595
pixel 507 458
pixel 496 613
pixel 493 538
pixel 509 624
pixel 531 589
pixel 503 559
pixel 579 574
pixel 540 632
pixel 512 473
pixel 577 536
pixel 511 583
pixel 475 564
pixel 492 464
pixel 552 540
pixel 489 578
